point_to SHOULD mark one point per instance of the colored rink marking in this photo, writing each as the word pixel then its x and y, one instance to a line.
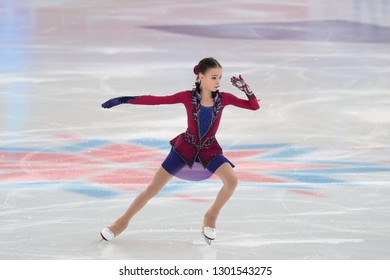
pixel 48 175
pixel 243 153
pixel 251 177
pixel 103 168
pixel 267 166
pixel 192 198
pixel 125 179
pixel 67 137
pixel 122 153
pixel 31 158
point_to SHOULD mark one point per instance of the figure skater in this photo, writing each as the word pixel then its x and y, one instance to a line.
pixel 197 146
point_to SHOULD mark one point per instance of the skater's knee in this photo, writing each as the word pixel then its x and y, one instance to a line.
pixel 228 176
pixel 235 181
pixel 231 182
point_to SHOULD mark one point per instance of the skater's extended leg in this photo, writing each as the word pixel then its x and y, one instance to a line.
pixel 160 179
pixel 226 173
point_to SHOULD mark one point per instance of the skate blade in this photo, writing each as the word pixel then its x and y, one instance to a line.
pixel 208 240
pixel 103 238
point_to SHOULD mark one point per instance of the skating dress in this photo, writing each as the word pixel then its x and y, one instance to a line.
pixel 196 154
pixel 176 166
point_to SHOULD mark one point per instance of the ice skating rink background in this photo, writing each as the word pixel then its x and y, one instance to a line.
pixel 313 163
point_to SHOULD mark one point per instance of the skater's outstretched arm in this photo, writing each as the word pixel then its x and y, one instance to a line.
pixel 145 100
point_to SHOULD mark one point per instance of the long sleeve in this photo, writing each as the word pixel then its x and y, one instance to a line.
pixel 159 100
pixel 251 103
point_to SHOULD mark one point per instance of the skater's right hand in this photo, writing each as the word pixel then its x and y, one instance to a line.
pixel 115 101
pixel 241 84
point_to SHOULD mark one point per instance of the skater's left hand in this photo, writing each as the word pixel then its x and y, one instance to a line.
pixel 115 101
pixel 241 85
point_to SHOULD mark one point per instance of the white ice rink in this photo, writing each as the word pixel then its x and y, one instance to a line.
pixel 313 162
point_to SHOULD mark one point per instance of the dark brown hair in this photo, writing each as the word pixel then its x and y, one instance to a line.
pixel 205 64
pixel 202 67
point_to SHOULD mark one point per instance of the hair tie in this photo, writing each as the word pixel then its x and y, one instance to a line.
pixel 196 69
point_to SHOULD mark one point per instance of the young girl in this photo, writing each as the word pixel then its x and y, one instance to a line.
pixel 196 146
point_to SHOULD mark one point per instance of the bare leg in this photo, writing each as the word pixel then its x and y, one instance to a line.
pixel 226 173
pixel 160 179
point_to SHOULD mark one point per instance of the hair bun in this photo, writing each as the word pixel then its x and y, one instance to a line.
pixel 196 69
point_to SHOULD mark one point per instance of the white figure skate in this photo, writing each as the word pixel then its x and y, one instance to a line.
pixel 107 234
pixel 209 234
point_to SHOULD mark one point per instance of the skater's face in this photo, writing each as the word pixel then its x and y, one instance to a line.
pixel 211 80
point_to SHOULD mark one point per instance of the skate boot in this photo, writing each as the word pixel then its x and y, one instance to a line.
pixel 107 234
pixel 209 234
